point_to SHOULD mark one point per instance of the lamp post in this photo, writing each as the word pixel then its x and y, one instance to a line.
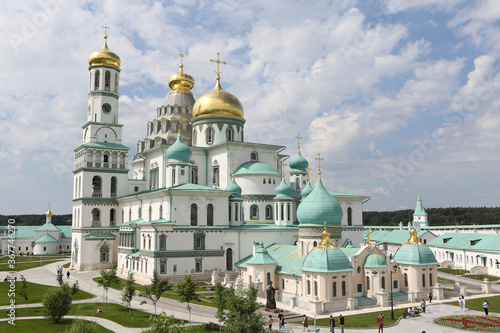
pixel 395 267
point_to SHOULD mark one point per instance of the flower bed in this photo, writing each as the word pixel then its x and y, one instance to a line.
pixel 472 323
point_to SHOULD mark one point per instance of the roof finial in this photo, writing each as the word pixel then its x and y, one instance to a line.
pixel 181 55
pixel 308 169
pixel 298 137
pixel 283 166
pixel 180 120
pixel 233 165
pixel 218 72
pixel 325 240
pixel 319 159
pixel 106 28
pixel 413 236
pixel 368 233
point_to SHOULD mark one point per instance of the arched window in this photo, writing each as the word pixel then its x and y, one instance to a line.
pixel 104 253
pixel 107 80
pixel 269 212
pixel 229 259
pixel 359 288
pixel 430 280
pixel 423 280
pixel 163 268
pixel 130 214
pixel 395 284
pixel 297 184
pixel 96 217
pixel 268 276
pixel 230 134
pixel 382 282
pixel 263 180
pixel 116 82
pixel 105 158
pixel 315 288
pixel 149 243
pixel 315 244
pixel 254 156
pixel 97 78
pixel 150 213
pixel 308 287
pixel 254 212
pixel 113 186
pixel 163 243
pixel 112 218
pixel 405 276
pixel 210 135
pixel 194 215
pixel 210 215
pixel 349 216
pixel 367 283
pixel 344 289
pixel 96 186
pixel 160 213
pixel 334 289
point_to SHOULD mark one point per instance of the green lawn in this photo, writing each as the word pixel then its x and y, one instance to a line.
pixel 40 326
pixel 364 320
pixel 35 291
pixel 445 281
pixel 453 271
pixel 483 276
pixel 477 304
pixel 115 312
pixel 21 266
pixel 19 259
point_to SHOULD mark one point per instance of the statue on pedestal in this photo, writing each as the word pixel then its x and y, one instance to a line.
pixel 271 297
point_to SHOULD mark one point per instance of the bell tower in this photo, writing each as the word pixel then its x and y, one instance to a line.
pixel 100 168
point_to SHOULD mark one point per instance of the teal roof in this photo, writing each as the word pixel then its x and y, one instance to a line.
pixel 298 163
pixel 349 250
pixel 98 235
pixel 374 261
pixel 347 195
pixel 285 191
pixel 48 226
pixel 414 254
pixel 196 187
pixel 255 168
pixel 46 239
pixel 287 257
pixel 235 188
pixel 179 152
pixel 462 241
pixel 306 190
pixel 398 236
pixel 261 257
pixel 135 254
pixel 326 260
pixel 105 145
pixel 23 232
pixel 319 206
pixel 378 235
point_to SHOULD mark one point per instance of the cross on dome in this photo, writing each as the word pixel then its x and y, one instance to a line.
pixel 106 28
pixel 298 137
pixel 283 166
pixel 218 61
pixel 233 166
pixel 368 233
pixel 319 159
pixel 180 120
pixel 181 55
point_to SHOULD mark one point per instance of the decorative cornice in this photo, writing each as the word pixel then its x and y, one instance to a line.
pixel 190 254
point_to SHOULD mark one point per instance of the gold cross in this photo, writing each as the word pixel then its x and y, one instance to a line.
pixel 180 120
pixel 308 169
pixel 182 56
pixel 319 159
pixel 232 165
pixel 368 233
pixel 106 28
pixel 298 137
pixel 218 72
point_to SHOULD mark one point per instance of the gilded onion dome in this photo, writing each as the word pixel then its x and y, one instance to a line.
pixel 218 102
pixel 181 81
pixel 104 57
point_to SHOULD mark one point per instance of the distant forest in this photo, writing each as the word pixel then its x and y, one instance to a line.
pixel 437 216
pixel 37 219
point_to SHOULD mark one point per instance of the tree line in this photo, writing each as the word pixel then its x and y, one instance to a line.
pixel 35 219
pixel 437 216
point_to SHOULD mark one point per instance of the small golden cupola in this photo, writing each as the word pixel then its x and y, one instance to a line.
pixel 181 81
pixel 218 102
pixel 104 56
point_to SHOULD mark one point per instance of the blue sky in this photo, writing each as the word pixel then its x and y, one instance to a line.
pixel 399 96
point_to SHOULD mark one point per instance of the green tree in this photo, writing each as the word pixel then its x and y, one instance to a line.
pixel 59 276
pixel 57 302
pixel 240 310
pixel 128 292
pixel 108 279
pixel 83 326
pixel 156 289
pixel 187 291
pixel 165 324
pixel 220 301
pixel 23 293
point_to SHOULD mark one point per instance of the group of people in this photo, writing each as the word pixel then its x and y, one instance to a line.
pixel 60 269
pixel 281 322
pixel 412 311
pixel 332 323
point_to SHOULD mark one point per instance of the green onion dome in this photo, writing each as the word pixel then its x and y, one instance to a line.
pixel 235 188
pixel 179 152
pixel 285 191
pixel 319 206
pixel 298 163
pixel 306 190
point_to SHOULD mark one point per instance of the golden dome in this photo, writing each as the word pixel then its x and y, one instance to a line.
pixel 218 102
pixel 181 82
pixel 48 213
pixel 104 57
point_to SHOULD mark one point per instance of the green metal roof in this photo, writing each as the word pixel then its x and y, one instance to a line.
pixel 105 145
pixel 255 168
pixel 48 227
pixel 285 191
pixel 261 257
pixel 374 261
pixel 326 260
pixel 319 206
pixel 414 254
pixel 46 239
pixel 135 254
pixel 462 241
pixel 98 235
pixel 287 257
pixel 399 236
pixel 419 210
pixel 340 194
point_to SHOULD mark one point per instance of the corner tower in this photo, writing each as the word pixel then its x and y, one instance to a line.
pixel 100 168
pixel 420 216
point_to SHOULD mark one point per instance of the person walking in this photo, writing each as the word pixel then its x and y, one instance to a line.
pixel 67 275
pixel 305 324
pixel 332 324
pixel 280 322
pixel 422 305
pixel 430 296
pixel 485 306
pixel 270 322
pixel 460 304
pixel 341 323
pixel 463 303
pixel 380 320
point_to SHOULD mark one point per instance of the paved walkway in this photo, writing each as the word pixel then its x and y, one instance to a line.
pixel 47 275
